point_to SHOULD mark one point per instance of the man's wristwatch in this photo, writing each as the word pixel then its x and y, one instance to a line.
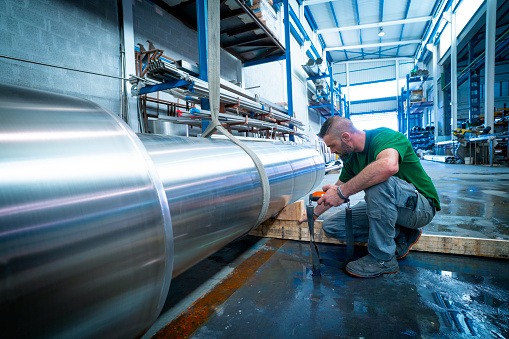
pixel 341 195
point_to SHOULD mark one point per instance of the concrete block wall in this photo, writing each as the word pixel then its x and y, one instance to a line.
pixel 178 41
pixel 81 35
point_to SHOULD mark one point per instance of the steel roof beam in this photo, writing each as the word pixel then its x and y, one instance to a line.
pixel 380 19
pixel 358 19
pixel 380 44
pixel 315 2
pixel 408 59
pixel 403 27
pixel 375 25
pixel 337 25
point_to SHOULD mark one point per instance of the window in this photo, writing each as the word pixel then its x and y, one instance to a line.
pixel 375 90
pixel 371 121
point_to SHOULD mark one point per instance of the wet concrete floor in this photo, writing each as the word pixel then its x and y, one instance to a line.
pixel 264 288
pixel 432 296
pixel 474 200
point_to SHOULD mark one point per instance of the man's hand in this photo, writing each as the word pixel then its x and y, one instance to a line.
pixel 326 187
pixel 331 197
pixel 321 206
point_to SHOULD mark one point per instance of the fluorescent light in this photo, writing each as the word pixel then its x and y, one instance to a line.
pixel 381 33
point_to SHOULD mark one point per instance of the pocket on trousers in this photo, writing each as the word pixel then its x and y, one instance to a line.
pixel 418 217
pixel 407 200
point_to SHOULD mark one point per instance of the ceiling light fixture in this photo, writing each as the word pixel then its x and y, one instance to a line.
pixel 381 33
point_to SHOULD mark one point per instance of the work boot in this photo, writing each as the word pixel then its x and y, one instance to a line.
pixel 406 238
pixel 370 267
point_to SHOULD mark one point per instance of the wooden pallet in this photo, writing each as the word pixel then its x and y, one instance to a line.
pixel 285 226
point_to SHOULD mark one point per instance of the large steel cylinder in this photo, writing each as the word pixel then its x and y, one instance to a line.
pixel 87 244
pixel 214 190
pixel 85 230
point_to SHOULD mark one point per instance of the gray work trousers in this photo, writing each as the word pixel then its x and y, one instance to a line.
pixel 376 220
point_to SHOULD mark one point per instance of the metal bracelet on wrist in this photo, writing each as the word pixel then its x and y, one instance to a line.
pixel 341 195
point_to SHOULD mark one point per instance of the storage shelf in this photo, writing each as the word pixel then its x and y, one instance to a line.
pixel 243 33
pixel 327 96
pixel 411 111
pixel 242 111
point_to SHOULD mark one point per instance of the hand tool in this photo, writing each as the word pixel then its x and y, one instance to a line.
pixel 310 211
pixel 349 232
pixel 315 256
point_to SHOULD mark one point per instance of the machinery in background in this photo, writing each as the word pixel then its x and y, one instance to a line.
pixel 332 161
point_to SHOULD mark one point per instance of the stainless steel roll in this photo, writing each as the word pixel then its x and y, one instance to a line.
pixel 85 230
pixel 87 245
pixel 214 190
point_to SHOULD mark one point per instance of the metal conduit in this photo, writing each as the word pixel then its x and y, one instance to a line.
pixel 87 245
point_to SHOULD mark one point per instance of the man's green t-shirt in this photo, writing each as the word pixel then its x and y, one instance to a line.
pixel 410 168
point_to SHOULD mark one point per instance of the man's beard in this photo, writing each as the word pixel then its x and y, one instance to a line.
pixel 347 152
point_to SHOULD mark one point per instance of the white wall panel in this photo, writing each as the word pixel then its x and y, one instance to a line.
pixel 405 66
pixel 378 106
pixel 363 72
pixel 339 74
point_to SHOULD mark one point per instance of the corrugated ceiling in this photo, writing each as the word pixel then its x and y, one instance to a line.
pixel 349 29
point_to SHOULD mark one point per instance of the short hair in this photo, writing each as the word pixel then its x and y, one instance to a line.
pixel 337 124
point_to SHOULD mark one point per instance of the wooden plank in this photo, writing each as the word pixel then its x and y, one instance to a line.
pixel 292 230
pixel 493 248
pixel 293 211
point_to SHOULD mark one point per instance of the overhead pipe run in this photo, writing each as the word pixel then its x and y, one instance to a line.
pixel 96 220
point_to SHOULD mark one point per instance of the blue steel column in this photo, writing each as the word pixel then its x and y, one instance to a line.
pixel 398 96
pixel 435 90
pixel 407 109
pixel 202 15
pixel 347 102
pixel 331 92
pixel 489 69
pixel 454 70
pixel 128 101
pixel 288 62
pixel 201 20
pixel 489 64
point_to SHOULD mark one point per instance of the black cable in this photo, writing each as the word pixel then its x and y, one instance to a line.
pixel 60 67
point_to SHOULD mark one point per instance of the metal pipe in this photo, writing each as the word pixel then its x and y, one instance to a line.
pixel 86 239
